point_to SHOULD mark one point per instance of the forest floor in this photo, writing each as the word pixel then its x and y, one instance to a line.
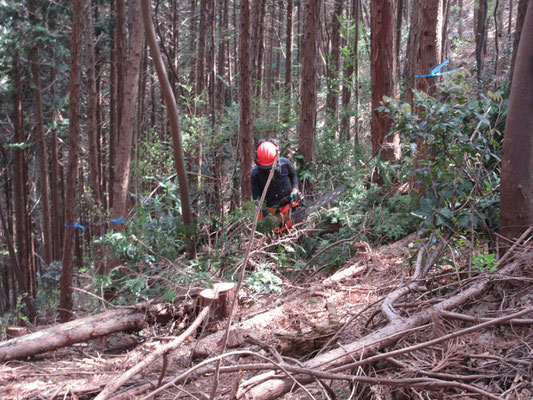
pixel 312 317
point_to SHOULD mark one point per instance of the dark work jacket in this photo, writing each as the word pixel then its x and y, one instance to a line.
pixel 283 181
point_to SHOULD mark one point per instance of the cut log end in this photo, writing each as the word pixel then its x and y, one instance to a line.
pixel 219 297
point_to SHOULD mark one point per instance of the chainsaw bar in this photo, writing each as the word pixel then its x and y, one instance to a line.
pixel 302 212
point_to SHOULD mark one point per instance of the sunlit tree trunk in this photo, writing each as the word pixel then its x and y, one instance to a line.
pixel 65 299
pixel 245 100
pixel 516 207
pixel 308 91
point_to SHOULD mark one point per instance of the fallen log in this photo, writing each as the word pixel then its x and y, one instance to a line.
pixel 81 330
pixel 336 360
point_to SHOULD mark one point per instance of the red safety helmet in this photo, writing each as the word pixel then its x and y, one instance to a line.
pixel 266 154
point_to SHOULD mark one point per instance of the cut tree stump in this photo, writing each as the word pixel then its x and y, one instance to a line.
pixel 219 298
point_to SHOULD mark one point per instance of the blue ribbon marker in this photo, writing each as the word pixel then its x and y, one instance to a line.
pixel 76 225
pixel 118 221
pixel 435 71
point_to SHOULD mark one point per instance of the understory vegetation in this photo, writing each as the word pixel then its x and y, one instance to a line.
pixel 456 196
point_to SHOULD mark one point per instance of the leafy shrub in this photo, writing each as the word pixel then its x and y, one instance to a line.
pixel 457 133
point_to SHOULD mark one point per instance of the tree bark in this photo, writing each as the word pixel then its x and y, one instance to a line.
pixel 92 123
pixel 118 68
pixel 170 101
pixel 131 88
pixel 333 67
pixel 81 330
pixel 516 210
pixel 65 299
pixel 348 69
pixel 424 52
pixel 245 100
pixel 481 35
pixel 41 146
pixel 288 64
pixel 520 17
pixel 308 91
pixel 510 20
pixel 383 76
pixel 257 26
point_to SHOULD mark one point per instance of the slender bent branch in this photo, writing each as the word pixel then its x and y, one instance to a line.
pixel 117 383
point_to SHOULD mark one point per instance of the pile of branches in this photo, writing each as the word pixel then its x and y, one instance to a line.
pixel 451 337
pixel 442 333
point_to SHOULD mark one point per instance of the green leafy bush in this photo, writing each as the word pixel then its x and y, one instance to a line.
pixel 457 133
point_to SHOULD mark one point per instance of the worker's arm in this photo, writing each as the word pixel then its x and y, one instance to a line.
pixel 294 182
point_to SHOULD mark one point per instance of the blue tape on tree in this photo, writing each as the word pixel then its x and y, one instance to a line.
pixel 76 225
pixel 435 71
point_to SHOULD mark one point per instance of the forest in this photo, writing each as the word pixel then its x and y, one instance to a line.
pixel 138 261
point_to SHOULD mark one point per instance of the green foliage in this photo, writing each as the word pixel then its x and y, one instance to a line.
pixel 457 135
pixel 379 214
pixel 264 280
pixel 48 278
pixel 484 262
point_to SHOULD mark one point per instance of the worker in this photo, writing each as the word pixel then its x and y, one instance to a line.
pixel 282 194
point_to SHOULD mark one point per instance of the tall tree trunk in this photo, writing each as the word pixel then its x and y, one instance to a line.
pixel 510 20
pixel 65 299
pixel 357 17
pixel 170 102
pixel 221 100
pixel 21 199
pixel 308 91
pixel 333 67
pixel 193 39
pixel 7 273
pixel 200 106
pixel 383 76
pixel 200 63
pixel 43 162
pixel 245 99
pixel 131 88
pixel 520 17
pixel 497 33
pixel 424 47
pixel 516 204
pixel 288 65
pixel 424 53
pixel 92 123
pixel 119 43
pixel 481 35
pixel 348 68
pixel 223 46
pixel 258 45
